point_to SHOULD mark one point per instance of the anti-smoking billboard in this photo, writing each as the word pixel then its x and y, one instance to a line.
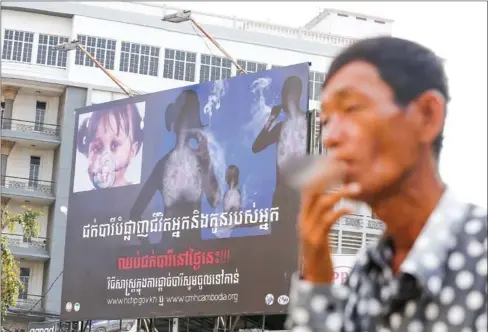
pixel 178 205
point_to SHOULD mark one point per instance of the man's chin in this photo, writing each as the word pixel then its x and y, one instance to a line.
pixel 367 191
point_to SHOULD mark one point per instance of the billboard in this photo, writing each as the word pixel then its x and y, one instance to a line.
pixel 178 205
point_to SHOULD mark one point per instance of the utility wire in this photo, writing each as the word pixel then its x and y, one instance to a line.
pixel 43 295
pixel 31 309
pixel 204 39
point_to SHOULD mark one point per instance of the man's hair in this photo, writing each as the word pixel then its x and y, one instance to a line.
pixel 408 68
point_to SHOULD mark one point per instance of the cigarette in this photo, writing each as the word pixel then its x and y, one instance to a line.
pixel 310 171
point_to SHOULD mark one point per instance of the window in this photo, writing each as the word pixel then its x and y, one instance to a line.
pixel 47 55
pixel 179 65
pixel 101 48
pixel 6 124
pixel 372 238
pixel 322 136
pixel 315 84
pixel 24 279
pixel 35 165
pixel 314 122
pixel 351 242
pixel 40 113
pixel 214 68
pixel 334 240
pixel 251 67
pixel 17 46
pixel 139 59
pixel 275 66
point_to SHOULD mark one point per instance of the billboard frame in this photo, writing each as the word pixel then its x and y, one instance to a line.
pixel 139 98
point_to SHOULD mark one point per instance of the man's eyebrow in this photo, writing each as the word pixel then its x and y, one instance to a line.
pixel 344 92
pixel 341 93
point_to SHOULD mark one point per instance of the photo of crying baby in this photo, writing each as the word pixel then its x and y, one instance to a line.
pixel 109 147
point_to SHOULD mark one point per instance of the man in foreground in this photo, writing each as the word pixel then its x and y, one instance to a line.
pixel 384 105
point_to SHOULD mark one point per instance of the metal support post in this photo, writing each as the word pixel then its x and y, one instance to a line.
pixel 175 325
pixel 184 16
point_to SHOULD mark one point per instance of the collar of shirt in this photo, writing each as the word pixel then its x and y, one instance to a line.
pixel 426 260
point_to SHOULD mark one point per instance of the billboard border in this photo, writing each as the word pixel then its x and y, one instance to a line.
pixel 143 97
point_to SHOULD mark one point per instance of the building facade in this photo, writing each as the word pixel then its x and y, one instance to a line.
pixel 42 88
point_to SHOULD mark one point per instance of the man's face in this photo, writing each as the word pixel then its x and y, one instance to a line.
pixel 376 139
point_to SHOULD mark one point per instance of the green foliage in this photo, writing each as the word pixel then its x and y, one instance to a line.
pixel 11 284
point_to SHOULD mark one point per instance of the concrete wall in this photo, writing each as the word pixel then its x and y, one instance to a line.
pixel 34 23
pixel 18 163
pixel 350 25
pixel 73 98
pixel 179 41
pixel 148 29
pixel 25 108
pixel 100 96
pixel 35 281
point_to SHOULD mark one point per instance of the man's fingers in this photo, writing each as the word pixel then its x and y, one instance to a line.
pixel 312 222
pixel 317 215
pixel 314 205
pixel 319 235
pixel 332 218
pixel 322 205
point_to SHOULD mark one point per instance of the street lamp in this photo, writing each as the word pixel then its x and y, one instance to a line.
pixel 178 17
pixel 185 15
pixel 74 44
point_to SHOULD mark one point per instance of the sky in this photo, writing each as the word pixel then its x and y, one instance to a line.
pixel 456 31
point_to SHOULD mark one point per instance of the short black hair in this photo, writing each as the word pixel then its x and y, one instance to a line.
pixel 408 68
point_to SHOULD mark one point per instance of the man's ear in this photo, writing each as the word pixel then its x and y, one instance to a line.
pixel 431 106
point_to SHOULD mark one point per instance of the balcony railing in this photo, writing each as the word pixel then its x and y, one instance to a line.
pixel 31 127
pixel 20 241
pixel 35 185
pixel 28 302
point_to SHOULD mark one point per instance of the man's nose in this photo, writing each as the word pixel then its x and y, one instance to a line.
pixel 332 133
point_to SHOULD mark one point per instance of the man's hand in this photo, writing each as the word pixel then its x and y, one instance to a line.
pixel 317 216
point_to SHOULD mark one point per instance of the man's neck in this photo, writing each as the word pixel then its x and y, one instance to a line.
pixel 405 214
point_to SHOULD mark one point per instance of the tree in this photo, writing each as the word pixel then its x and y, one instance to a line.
pixel 11 284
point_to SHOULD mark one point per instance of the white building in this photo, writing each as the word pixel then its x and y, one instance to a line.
pixel 41 88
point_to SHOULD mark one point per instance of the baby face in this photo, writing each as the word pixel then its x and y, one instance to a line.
pixel 110 151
